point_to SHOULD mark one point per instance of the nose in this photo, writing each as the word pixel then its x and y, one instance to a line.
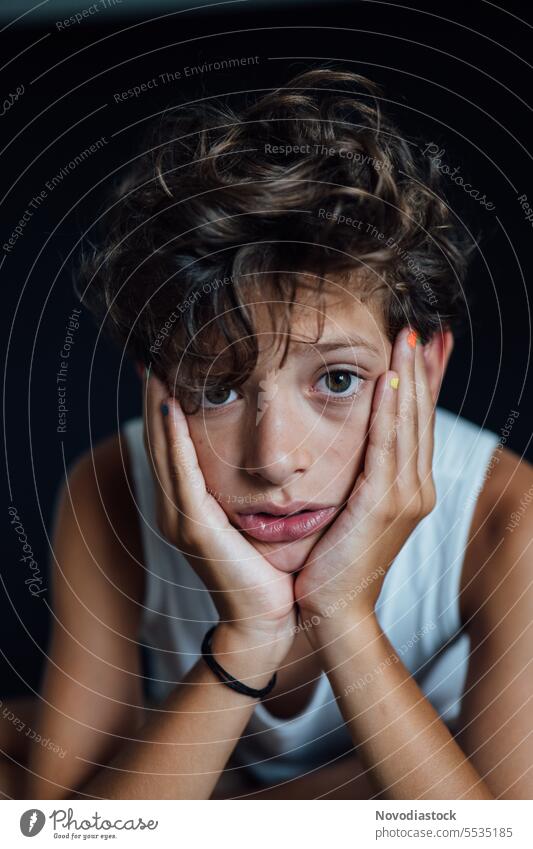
pixel 277 444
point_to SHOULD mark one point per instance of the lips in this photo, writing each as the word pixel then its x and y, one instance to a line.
pixel 276 526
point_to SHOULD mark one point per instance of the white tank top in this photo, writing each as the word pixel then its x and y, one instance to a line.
pixel 418 609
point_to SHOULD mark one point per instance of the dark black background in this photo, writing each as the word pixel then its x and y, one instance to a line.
pixel 462 82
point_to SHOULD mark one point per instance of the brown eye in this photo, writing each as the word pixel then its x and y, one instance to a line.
pixel 338 381
pixel 341 382
pixel 217 396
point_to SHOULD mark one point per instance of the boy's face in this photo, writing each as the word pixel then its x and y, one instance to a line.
pixel 297 433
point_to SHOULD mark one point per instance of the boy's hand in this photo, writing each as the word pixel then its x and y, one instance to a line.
pixel 254 600
pixel 345 570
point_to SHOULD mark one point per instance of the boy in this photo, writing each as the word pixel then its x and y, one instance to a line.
pixel 308 551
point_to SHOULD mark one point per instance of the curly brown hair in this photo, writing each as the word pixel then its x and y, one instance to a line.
pixel 226 207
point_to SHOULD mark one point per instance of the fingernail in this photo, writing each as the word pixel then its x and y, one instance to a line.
pixel 413 339
pixel 164 409
pixel 394 381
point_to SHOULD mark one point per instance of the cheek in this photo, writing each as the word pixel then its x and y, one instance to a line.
pixel 341 444
pixel 343 455
pixel 216 455
pixel 343 463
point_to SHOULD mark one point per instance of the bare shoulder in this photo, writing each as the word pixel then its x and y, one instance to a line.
pixel 92 688
pixel 97 541
pixel 500 527
pixel 100 490
pixel 497 610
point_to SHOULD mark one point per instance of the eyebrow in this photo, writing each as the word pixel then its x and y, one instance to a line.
pixel 335 344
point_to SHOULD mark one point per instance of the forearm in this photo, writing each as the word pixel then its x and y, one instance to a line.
pixel 345 778
pixel 408 750
pixel 183 748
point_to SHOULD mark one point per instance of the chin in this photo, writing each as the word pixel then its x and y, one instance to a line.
pixel 286 556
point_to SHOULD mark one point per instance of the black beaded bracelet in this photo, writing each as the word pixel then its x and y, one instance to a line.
pixel 228 679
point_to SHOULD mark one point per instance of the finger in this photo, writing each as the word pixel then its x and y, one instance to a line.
pixel 403 361
pixel 426 418
pixel 154 393
pixel 380 456
pixel 189 483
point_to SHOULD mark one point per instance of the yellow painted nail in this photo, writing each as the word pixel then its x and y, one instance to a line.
pixel 394 381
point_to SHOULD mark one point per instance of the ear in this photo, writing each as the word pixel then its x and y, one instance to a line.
pixel 437 354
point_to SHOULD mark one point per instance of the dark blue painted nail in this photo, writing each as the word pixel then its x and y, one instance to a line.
pixel 164 409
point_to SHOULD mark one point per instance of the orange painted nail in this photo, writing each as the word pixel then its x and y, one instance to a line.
pixel 412 339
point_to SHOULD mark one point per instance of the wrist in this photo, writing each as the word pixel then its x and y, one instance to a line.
pixel 251 657
pixel 323 627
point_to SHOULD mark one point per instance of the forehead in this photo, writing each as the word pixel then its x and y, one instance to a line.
pixel 341 316
pixel 285 324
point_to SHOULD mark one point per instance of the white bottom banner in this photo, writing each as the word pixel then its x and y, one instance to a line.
pixel 264 824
